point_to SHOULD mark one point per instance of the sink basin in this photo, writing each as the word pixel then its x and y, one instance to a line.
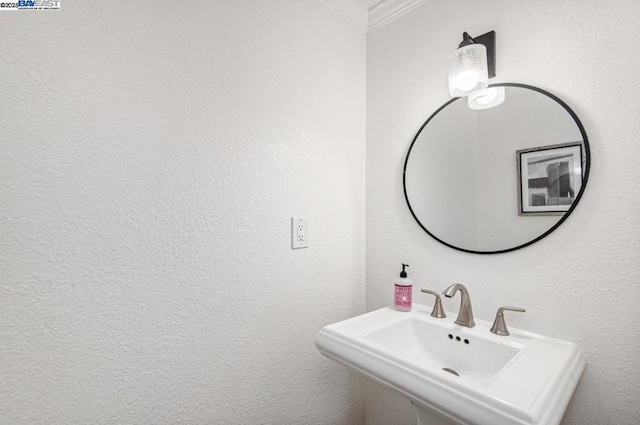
pixel 468 375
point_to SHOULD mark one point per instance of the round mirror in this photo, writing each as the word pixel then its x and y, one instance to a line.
pixel 495 180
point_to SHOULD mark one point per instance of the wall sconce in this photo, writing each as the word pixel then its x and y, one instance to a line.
pixel 471 66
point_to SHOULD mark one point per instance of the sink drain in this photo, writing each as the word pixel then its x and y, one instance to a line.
pixel 446 369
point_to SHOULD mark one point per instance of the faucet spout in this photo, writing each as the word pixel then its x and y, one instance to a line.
pixel 465 314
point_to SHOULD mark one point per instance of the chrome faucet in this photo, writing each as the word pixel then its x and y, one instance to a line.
pixel 465 314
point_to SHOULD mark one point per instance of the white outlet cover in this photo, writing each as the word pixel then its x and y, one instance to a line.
pixel 299 232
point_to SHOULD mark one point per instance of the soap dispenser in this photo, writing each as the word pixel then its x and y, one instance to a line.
pixel 403 291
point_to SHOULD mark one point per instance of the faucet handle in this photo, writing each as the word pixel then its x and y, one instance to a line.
pixel 438 311
pixel 499 325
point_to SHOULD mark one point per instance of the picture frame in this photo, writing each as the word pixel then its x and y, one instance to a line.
pixel 549 178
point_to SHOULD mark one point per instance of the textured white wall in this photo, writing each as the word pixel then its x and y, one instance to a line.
pixel 582 283
pixel 151 155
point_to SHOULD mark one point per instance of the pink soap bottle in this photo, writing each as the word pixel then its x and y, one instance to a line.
pixel 403 291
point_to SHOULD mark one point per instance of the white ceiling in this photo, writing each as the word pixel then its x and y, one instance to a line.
pixel 371 3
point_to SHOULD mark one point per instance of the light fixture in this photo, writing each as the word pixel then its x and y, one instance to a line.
pixel 487 98
pixel 472 64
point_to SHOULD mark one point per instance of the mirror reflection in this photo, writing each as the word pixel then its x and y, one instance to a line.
pixel 497 179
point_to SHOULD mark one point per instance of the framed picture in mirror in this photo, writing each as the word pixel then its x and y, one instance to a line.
pixel 549 178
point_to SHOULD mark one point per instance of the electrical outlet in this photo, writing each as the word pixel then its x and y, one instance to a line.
pixel 299 232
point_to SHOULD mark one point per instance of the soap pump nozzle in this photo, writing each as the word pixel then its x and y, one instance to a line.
pixel 403 273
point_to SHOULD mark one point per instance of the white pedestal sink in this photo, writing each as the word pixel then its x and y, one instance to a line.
pixel 468 375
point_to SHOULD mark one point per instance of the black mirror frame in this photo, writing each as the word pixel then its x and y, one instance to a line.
pixel 585 176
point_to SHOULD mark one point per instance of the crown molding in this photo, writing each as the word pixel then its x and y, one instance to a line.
pixel 385 11
pixel 353 11
pixel 379 14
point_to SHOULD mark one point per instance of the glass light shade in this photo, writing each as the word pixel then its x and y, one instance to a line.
pixel 487 98
pixel 468 70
